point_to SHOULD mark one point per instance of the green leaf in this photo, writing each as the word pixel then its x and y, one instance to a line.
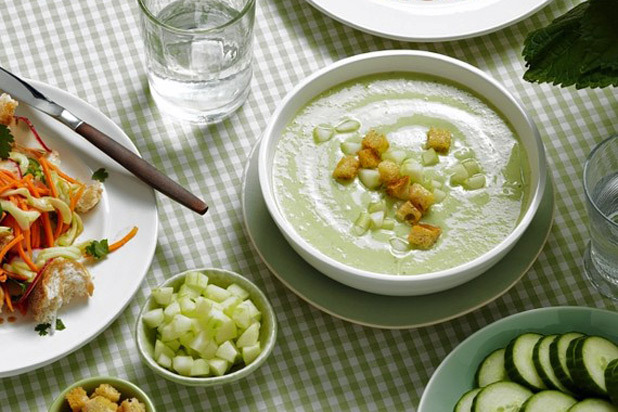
pixel 42 328
pixel 98 249
pixel 34 169
pixel 60 324
pixel 100 175
pixel 6 141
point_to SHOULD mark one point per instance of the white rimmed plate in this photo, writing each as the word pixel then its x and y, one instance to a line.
pixel 428 20
pixel 126 202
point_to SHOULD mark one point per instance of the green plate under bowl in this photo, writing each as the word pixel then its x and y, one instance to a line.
pixel 455 375
pixel 395 312
pixel 126 388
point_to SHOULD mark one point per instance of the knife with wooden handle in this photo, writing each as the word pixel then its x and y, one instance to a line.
pixel 143 170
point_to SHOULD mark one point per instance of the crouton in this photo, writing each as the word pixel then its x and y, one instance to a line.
pixel 61 281
pixel 376 141
pixel 7 109
pixel 77 398
pixel 90 198
pixel 369 158
pixel 1 299
pixel 99 404
pixel 347 168
pixel 408 213
pixel 389 171
pixel 131 405
pixel 421 198
pixel 438 140
pixel 423 236
pixel 399 188
pixel 107 391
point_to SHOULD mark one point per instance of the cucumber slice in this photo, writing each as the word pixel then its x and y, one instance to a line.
pixel 611 381
pixel 558 359
pixel 491 369
pixel 518 361
pixel 501 397
pixel 591 355
pixel 548 401
pixel 593 405
pixel 465 402
pixel 540 357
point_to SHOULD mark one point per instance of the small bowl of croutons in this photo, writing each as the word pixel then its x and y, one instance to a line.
pixel 102 394
pixel 206 327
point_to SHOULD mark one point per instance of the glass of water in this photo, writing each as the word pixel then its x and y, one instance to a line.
pixel 601 191
pixel 199 55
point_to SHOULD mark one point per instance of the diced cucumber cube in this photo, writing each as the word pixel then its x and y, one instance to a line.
pixel 413 169
pixel 186 290
pixel 216 293
pixel 218 366
pixel 362 224
pixel 377 219
pixel 464 153
pixel 471 166
pixel 168 332
pixel 323 133
pixel 351 148
pixel 226 331
pixel 160 348
pixel 203 345
pixel 370 178
pixel 250 336
pixel 154 318
pixel 164 360
pixel 163 296
pixel 187 306
pixel 183 365
pixel 347 126
pixel 388 224
pixel 227 351
pixel 439 195
pixel 430 157
pixel 475 182
pixel 230 304
pixel 436 184
pixel 174 345
pixel 236 290
pixel 181 324
pixel 399 245
pixel 203 307
pixel 200 368
pixel 245 314
pixel 376 206
pixel 250 353
pixel 196 280
pixel 171 310
pixel 397 156
pixel 459 174
pixel 186 339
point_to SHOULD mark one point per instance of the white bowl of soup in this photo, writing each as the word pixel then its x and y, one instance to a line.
pixel 485 187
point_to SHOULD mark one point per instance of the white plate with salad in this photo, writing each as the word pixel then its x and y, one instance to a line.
pixel 91 233
pixel 428 20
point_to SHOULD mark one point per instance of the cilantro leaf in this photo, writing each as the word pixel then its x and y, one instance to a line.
pixel 6 141
pixel 42 328
pixel 98 249
pixel 60 324
pixel 100 175
pixel 578 48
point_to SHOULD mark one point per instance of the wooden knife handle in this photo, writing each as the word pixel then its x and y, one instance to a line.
pixel 142 169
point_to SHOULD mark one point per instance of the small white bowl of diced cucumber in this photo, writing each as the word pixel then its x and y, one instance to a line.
pixel 206 327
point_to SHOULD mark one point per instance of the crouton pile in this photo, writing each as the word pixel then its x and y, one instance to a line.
pixel 105 398
pixel 417 199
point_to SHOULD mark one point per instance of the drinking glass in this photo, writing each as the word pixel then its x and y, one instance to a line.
pixel 199 55
pixel 601 191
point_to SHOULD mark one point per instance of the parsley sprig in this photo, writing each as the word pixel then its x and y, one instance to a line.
pixel 100 175
pixel 43 328
pixel 6 141
pixel 98 249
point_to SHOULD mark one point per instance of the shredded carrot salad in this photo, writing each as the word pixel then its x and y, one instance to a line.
pixel 40 217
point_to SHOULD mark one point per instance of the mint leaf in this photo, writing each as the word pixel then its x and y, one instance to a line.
pixel 100 175
pixel 97 249
pixel 6 141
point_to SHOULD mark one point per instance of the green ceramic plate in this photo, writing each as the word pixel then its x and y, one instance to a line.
pixel 395 312
pixel 456 373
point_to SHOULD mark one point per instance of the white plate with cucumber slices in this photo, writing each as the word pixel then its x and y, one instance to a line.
pixel 550 359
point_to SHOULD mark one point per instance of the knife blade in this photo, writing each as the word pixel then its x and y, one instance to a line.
pixel 26 93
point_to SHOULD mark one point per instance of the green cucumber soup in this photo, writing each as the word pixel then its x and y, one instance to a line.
pixel 403 106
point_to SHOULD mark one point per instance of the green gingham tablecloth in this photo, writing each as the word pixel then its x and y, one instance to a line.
pixel 93 49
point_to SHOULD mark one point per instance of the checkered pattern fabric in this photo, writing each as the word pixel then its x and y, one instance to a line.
pixel 94 50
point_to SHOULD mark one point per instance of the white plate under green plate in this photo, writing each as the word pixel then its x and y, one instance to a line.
pixel 126 202
pixel 428 20
pixel 395 312
pixel 455 375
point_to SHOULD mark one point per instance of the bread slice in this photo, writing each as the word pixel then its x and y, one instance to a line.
pixel 7 109
pixel 61 281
